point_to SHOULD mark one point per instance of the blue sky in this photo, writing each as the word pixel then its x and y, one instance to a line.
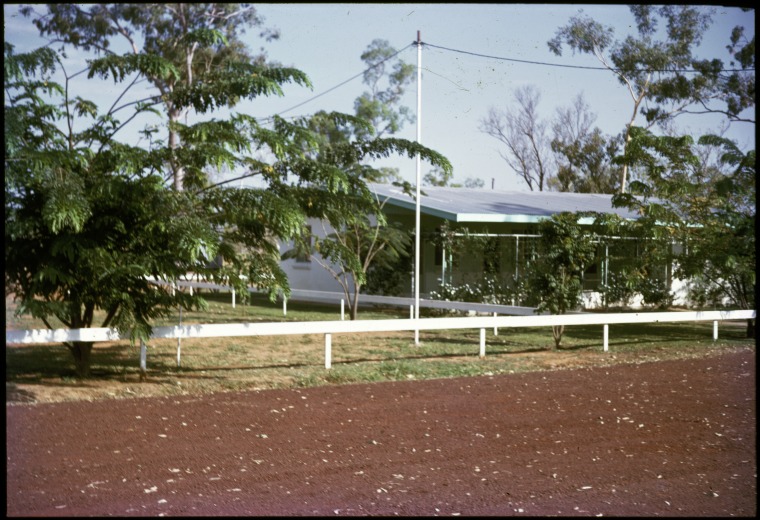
pixel 457 89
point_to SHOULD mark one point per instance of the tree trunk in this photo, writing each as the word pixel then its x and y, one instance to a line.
pixel 81 351
pixel 750 329
pixel 557 331
pixel 353 301
pixel 174 144
pixel 355 304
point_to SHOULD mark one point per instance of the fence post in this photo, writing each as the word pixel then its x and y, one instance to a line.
pixel 715 330
pixel 482 343
pixel 179 339
pixel 416 331
pixel 606 336
pixel 233 297
pixel 342 309
pixel 328 350
pixel 143 360
pixel 284 306
pixel 495 329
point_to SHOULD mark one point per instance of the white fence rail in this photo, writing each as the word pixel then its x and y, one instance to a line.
pixel 337 327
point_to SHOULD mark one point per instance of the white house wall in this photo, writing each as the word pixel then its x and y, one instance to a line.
pixel 309 275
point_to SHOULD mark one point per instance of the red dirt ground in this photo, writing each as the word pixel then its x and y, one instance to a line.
pixel 667 438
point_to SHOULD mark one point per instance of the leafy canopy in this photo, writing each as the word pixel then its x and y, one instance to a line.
pixel 91 216
pixel 564 251
pixel 713 217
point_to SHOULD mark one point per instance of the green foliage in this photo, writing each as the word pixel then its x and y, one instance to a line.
pixel 89 218
pixel 361 246
pixel 712 217
pixel 623 286
pixel 474 183
pixel 637 256
pixel 120 67
pixel 437 177
pixel 619 289
pixel 81 235
pixel 651 65
pixel 576 157
pixel 225 87
pixel 392 277
pixel 564 251
pixel 583 154
pixel 655 292
pixel 361 241
pixel 191 54
pixel 380 106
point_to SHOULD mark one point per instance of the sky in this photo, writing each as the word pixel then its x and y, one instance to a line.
pixel 457 89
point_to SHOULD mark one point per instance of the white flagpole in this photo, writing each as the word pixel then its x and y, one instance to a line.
pixel 417 201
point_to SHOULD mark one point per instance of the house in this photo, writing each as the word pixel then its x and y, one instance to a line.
pixel 507 220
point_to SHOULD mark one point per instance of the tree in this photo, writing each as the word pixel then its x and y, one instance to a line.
pixel 87 218
pixel 90 217
pixel 201 40
pixel 711 215
pixel 574 157
pixel 654 71
pixel 361 242
pixel 564 251
pixel 737 88
pixel 583 154
pixel 381 106
pixel 365 240
pixel 474 183
pixel 438 177
pixel 525 137
pixel 641 256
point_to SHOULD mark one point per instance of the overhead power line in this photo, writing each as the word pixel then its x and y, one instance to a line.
pixel 344 82
pixel 500 58
pixel 563 65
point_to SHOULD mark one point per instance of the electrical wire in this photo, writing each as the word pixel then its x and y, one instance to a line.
pixel 500 58
pixel 342 83
pixel 562 65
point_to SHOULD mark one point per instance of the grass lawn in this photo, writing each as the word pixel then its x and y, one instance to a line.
pixel 46 373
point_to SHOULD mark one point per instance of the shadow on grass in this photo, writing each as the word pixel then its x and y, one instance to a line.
pixel 499 345
pixel 36 362
pixel 685 331
pixel 52 365
pixel 13 394
pixel 52 375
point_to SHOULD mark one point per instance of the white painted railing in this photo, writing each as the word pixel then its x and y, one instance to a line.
pixel 337 327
